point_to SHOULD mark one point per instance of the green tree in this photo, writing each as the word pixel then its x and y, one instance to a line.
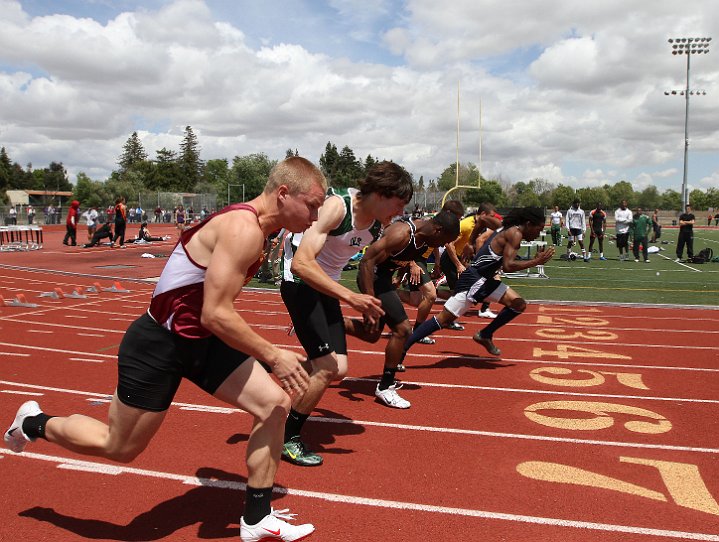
pixel 289 153
pixel 5 171
pixel 252 171
pixel 217 175
pixel 698 200
pixel 713 198
pixel 622 191
pixel 165 175
pixel 329 162
pixel 563 196
pixel 91 193
pixel 191 167
pixel 671 200
pixel 132 153
pixel 591 196
pixel 368 163
pixel 490 191
pixel 649 198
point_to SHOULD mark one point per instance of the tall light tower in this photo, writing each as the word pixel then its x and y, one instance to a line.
pixel 688 47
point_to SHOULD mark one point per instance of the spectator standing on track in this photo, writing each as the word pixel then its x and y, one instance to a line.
pixel 30 214
pixel 479 282
pixel 597 227
pixel 120 221
pixel 73 215
pixel 312 264
pixel 556 222
pixel 623 220
pixel 90 217
pixel 576 226
pixel 641 226
pixel 709 218
pixel 180 218
pixel 402 242
pixel 192 330
pixel 686 234
pixel 158 214
pixel 12 215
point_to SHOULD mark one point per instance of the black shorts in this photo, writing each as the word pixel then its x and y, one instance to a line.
pixel 424 277
pixel 317 318
pixel 152 361
pixel 449 270
pixel 622 240
pixel 392 306
pixel 598 234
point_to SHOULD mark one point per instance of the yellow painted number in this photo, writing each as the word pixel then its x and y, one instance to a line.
pixel 566 351
pixel 601 418
pixel 682 481
pixel 559 333
pixel 550 375
pixel 582 321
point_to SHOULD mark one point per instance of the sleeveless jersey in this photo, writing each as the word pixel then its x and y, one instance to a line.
pixel 409 253
pixel 485 265
pixel 342 243
pixel 177 300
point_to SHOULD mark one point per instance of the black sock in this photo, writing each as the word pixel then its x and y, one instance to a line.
pixel 484 307
pixel 257 504
pixel 425 329
pixel 294 423
pixel 34 426
pixel 387 377
pixel 504 317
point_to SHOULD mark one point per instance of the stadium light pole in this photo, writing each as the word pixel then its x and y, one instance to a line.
pixel 687 47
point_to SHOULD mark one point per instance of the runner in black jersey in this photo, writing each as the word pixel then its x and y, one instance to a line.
pixel 478 282
pixel 403 242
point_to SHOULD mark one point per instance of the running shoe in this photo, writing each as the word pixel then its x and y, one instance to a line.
pixel 487 314
pixel 273 527
pixel 15 438
pixel 487 343
pixel 426 340
pixel 602 258
pixel 294 451
pixel 454 326
pixel 390 397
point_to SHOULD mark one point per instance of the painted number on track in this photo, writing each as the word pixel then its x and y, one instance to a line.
pixel 584 378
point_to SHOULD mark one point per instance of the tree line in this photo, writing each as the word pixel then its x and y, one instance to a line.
pixel 184 171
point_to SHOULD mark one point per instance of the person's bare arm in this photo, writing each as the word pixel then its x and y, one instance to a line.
pixel 395 238
pixel 304 262
pixel 234 244
pixel 511 241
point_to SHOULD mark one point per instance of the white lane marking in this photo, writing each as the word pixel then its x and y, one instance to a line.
pixel 90 335
pixel 101 398
pixel 539 392
pixel 39 331
pixel 16 392
pixel 89 466
pixel 16 354
pixel 88 360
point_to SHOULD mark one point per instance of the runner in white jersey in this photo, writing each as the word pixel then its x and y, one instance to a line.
pixel 348 222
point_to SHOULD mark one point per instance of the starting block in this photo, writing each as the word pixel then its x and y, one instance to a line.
pixel 116 288
pixel 56 293
pixel 20 301
pixel 77 293
pixel 94 289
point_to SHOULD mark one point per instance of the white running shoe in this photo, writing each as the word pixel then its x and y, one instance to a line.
pixel 272 527
pixel 426 340
pixel 391 398
pixel 487 314
pixel 15 439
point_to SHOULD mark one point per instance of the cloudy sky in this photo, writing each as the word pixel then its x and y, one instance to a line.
pixel 570 91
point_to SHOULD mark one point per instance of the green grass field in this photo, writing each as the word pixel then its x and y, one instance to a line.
pixel 662 280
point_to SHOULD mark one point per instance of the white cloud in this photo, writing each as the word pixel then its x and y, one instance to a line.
pixel 571 91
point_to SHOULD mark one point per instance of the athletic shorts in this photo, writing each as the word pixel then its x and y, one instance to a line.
pixel 483 289
pixel 152 361
pixel 449 270
pixel 392 306
pixel 424 277
pixel 622 240
pixel 317 319
pixel 597 234
pixel 577 234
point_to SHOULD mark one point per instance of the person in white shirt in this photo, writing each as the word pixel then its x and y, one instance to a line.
pixel 576 224
pixel 90 217
pixel 623 218
pixel 556 221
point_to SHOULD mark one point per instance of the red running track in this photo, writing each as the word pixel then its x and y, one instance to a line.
pixel 597 424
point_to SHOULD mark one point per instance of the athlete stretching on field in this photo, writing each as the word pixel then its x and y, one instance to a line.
pixel 478 282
